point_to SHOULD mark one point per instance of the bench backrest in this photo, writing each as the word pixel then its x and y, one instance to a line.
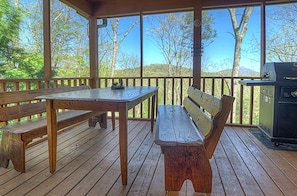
pixel 209 114
pixel 19 104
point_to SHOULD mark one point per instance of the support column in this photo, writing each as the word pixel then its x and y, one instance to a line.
pixel 197 48
pixel 263 35
pixel 47 39
pixel 93 48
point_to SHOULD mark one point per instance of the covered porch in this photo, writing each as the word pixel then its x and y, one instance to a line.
pixel 88 158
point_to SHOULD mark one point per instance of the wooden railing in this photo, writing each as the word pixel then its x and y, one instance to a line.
pixel 171 91
pixel 31 84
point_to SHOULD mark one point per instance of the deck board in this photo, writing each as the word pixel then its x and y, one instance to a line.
pixel 88 164
pixel 249 152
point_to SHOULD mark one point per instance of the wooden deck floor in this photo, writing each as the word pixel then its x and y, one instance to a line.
pixel 88 164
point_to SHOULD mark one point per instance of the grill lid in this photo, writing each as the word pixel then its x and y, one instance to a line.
pixel 280 72
pixel 275 73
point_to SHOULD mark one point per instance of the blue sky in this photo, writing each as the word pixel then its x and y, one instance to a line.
pixel 218 55
pixel 222 49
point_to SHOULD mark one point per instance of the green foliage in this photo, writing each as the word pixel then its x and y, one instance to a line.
pixel 154 70
pixel 70 71
pixel 104 69
pixel 24 66
pixel 15 62
pixel 10 19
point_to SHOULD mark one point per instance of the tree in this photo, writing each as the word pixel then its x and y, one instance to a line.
pixel 10 19
pixel 29 66
pixel 31 26
pixel 129 65
pixel 173 34
pixel 117 39
pixel 16 61
pixel 68 36
pixel 239 30
pixel 282 28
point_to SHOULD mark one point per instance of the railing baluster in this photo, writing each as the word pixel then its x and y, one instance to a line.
pixel 251 105
pixel 241 105
pixel 232 94
pixel 55 84
pixel 172 90
pixel 164 92
pixel 212 86
pixel 222 86
pixel 203 84
pixel 181 91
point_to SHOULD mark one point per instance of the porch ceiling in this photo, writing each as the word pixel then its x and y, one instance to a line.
pixel 109 8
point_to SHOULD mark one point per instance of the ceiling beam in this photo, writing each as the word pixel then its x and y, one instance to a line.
pixel 83 7
pixel 113 8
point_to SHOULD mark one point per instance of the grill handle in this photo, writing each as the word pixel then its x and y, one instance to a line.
pixel 290 78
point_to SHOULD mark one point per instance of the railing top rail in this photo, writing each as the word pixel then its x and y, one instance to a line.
pixel 118 77
pixel 41 79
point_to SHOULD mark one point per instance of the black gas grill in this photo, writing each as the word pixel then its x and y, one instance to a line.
pixel 278 101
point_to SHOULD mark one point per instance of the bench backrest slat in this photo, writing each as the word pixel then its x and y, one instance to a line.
pixel 201 120
pixel 209 114
pixel 210 142
pixel 19 104
pixel 28 95
pixel 20 111
pixel 211 104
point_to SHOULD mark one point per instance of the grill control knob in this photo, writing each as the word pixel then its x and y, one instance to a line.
pixel 294 93
pixel 266 75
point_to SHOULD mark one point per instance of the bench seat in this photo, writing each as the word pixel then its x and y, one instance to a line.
pixel 188 136
pixel 39 125
pixel 183 132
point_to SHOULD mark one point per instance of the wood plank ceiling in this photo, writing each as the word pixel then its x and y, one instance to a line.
pixel 110 8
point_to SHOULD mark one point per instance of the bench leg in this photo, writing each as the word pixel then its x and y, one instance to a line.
pixel 4 161
pixel 101 119
pixel 12 148
pixel 182 163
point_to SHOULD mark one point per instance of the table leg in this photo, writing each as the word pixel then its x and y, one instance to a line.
pixel 123 141
pixel 153 112
pixel 113 120
pixel 52 134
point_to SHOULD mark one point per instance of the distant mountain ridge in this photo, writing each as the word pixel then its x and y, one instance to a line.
pixel 160 70
pixel 243 71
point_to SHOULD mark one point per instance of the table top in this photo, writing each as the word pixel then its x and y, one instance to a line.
pixel 129 93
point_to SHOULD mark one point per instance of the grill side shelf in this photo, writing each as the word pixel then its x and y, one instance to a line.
pixel 257 82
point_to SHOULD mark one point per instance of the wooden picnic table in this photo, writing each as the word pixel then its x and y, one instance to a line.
pixel 99 99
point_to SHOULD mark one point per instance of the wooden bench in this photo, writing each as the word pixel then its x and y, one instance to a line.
pixel 188 136
pixel 18 107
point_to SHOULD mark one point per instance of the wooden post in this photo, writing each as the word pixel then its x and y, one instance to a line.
pixel 93 44
pixel 47 39
pixel 263 34
pixel 197 48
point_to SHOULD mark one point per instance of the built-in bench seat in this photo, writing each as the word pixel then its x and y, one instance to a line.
pixel 188 136
pixel 23 120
